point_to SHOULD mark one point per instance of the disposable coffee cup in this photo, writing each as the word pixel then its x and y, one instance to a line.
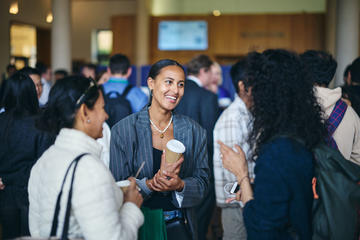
pixel 123 185
pixel 174 150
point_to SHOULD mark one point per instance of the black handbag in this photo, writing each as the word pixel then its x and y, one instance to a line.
pixel 177 229
pixel 64 234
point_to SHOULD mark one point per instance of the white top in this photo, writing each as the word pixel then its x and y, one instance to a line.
pixel 233 127
pixel 195 79
pixel 105 143
pixel 45 92
pixel 97 208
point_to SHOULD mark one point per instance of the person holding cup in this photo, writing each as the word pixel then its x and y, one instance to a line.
pixel 287 126
pixel 99 209
pixel 174 187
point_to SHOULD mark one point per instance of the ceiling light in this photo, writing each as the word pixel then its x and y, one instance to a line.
pixel 216 13
pixel 14 8
pixel 49 18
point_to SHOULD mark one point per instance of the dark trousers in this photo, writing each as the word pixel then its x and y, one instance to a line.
pixel 204 212
pixel 14 209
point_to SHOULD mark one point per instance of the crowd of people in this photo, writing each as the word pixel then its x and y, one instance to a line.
pixel 106 130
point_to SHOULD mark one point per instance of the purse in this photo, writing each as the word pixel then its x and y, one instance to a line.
pixel 64 234
pixel 177 229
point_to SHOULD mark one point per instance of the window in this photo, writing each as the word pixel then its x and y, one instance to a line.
pixel 102 46
pixel 23 45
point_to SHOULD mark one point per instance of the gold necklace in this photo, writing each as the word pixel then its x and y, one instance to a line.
pixel 162 131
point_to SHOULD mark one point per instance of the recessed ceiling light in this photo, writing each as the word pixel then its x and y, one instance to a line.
pixel 14 8
pixel 216 13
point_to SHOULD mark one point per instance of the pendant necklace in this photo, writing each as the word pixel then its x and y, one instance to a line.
pixel 162 131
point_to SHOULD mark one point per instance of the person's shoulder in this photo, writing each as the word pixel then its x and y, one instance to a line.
pixel 189 122
pixel 232 114
pixel 89 161
pixel 351 119
pixel 351 112
pixel 286 146
pixel 281 140
pixel 137 91
pixel 127 123
pixel 276 145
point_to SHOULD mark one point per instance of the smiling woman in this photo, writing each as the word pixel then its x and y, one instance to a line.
pixel 171 190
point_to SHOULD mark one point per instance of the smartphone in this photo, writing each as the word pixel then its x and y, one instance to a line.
pixel 235 188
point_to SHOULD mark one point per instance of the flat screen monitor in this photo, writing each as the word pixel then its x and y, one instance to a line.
pixel 182 35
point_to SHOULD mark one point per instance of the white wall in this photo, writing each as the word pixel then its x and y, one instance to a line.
pixel 168 7
pixel 90 15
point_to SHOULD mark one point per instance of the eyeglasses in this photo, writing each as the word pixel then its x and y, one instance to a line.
pixel 82 97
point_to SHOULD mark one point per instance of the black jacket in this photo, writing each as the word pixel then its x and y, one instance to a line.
pixel 21 144
pixel 202 106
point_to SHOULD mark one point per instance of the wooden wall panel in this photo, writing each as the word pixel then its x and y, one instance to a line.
pixel 233 36
pixel 43 45
pixel 123 28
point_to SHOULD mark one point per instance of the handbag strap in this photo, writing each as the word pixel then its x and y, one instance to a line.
pixel 68 206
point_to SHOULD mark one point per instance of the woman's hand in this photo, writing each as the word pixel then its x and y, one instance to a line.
pixel 233 161
pixel 236 198
pixel 244 195
pixel 132 194
pixel 2 186
pixel 166 181
pixel 170 167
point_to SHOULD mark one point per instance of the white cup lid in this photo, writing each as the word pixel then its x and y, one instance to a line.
pixel 175 146
pixel 124 183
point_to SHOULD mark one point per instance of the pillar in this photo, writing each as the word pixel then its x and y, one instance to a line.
pixel 142 32
pixel 347 35
pixel 61 35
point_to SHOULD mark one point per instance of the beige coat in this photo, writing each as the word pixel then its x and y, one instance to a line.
pixel 347 135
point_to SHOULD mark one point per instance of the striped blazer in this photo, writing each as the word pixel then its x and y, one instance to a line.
pixel 131 144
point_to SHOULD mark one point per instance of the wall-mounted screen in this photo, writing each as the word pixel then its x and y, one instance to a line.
pixel 183 35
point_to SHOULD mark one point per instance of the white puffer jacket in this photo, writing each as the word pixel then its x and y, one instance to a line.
pixel 97 210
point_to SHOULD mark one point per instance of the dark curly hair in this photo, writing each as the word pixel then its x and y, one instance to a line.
pixel 283 100
pixel 65 98
pixel 320 66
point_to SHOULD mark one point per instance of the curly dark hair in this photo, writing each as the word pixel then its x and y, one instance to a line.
pixel 283 100
pixel 320 66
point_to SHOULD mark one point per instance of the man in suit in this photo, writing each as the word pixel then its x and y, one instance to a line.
pixel 202 106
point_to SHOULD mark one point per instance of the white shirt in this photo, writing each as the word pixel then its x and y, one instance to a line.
pixel 45 93
pixel 195 79
pixel 105 143
pixel 233 127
